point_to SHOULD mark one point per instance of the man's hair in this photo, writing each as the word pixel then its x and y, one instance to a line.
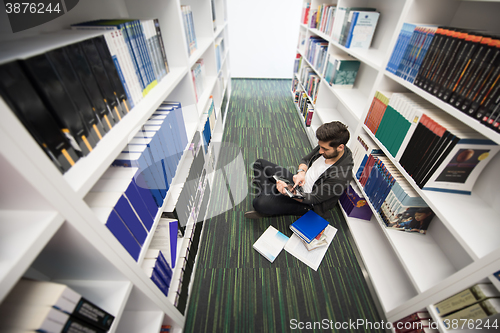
pixel 335 133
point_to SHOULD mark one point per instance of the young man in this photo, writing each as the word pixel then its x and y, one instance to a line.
pixel 323 174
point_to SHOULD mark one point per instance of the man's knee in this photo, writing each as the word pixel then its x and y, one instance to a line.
pixel 261 204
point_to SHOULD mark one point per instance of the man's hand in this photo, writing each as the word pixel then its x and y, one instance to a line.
pixel 280 186
pixel 299 179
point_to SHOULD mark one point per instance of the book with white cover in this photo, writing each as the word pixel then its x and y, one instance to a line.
pixel 270 243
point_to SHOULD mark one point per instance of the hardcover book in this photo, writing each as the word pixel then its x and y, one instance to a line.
pixel 476 293
pixel 308 226
pixel 270 243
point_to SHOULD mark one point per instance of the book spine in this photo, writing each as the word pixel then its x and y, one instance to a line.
pixel 429 58
pixel 162 44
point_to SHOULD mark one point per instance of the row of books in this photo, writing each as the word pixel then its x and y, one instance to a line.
pixel 305 107
pixel 187 19
pixel 125 206
pixel 165 329
pixel 418 322
pixel 323 18
pixel 157 269
pixel 340 71
pixel 157 149
pixel 310 82
pixel 392 197
pixel 354 204
pixel 473 305
pixel 459 66
pixel 137 50
pixel 45 306
pixel 67 97
pixel 316 51
pixel 438 151
pixel 198 75
pixel 219 52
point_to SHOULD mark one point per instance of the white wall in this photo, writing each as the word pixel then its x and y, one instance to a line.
pixel 263 37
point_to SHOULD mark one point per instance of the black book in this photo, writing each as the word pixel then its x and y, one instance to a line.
pixel 457 67
pixel 419 142
pixel 444 55
pixel 114 78
pixel 472 74
pixel 440 160
pixel 70 81
pixel 438 57
pixel 87 79
pixel 495 124
pixel 162 45
pixel 474 102
pixel 485 97
pixel 95 62
pixel 52 92
pixel 430 57
pixel 492 113
pixel 21 97
pixel 450 58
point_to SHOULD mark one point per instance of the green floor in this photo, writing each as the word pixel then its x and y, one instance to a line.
pixel 235 289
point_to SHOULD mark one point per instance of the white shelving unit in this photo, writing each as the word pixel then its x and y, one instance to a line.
pixel 411 272
pixel 47 231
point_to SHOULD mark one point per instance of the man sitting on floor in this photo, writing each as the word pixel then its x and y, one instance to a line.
pixel 323 174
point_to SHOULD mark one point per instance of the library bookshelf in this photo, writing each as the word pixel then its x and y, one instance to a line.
pixel 411 272
pixel 47 230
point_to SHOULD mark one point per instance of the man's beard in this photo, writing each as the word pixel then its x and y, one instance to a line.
pixel 333 155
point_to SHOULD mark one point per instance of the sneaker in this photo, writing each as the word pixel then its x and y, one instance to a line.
pixel 252 214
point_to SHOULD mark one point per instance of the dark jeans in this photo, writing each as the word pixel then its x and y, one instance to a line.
pixel 269 201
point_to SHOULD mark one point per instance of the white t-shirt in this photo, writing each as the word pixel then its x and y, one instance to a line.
pixel 317 168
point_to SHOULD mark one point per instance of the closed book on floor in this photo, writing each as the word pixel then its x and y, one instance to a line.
pixel 60 296
pixel 270 243
pixel 309 226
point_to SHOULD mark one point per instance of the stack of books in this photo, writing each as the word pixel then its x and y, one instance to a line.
pixel 324 18
pixel 310 229
pixel 310 81
pixel 340 71
pixel 475 305
pixel 316 51
pixel 137 47
pixel 157 268
pixel 44 306
pixel 438 151
pixel 354 27
pixel 418 322
pixel 459 66
pixel 188 21
pixel 392 197
pixel 124 206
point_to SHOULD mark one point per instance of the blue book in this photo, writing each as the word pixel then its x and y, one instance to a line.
pixel 114 223
pixel 400 47
pixel 406 54
pixel 420 57
pixel 309 226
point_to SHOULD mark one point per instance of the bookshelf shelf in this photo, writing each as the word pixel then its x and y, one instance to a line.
pixel 23 234
pixel 460 248
pixel 57 236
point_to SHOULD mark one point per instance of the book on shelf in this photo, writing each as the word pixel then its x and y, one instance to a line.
pixel 316 51
pixel 476 312
pixel 354 204
pixel 308 226
pixel 472 295
pixel 26 318
pixel 363 147
pixel 270 243
pixel 402 42
pixel 34 293
pixel 18 93
pixel 416 316
pixel 295 246
pixel 340 29
pixel 360 28
pixel 341 71
pixel 325 17
pixel 306 7
pixel 165 238
pixel 198 75
pixel 377 110
pixel 188 21
pixel 158 273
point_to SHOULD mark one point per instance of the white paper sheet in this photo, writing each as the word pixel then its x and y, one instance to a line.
pixel 314 257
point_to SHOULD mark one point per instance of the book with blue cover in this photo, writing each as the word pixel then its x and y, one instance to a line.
pixel 309 226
